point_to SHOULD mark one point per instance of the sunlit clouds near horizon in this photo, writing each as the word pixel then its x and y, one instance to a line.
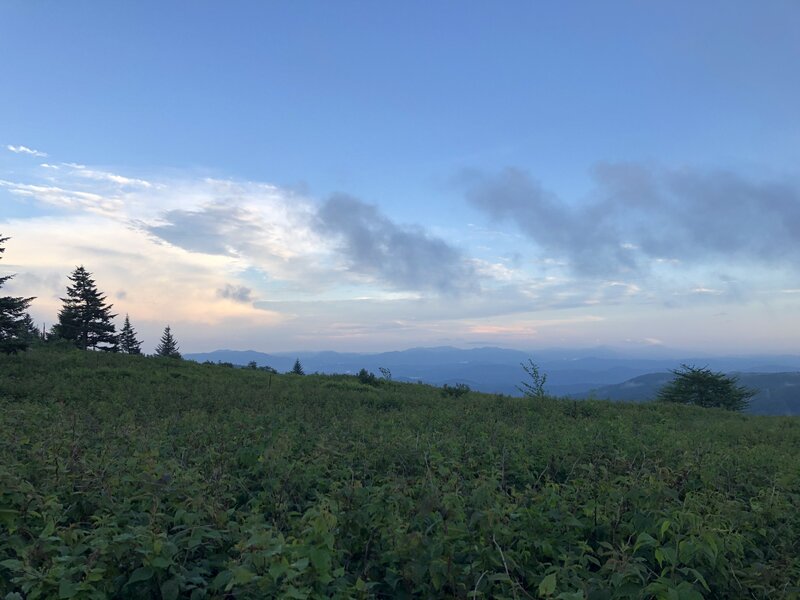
pixel 250 264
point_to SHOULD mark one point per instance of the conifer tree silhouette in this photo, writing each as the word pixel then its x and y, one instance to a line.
pixel 127 339
pixel 12 317
pixel 168 346
pixel 85 318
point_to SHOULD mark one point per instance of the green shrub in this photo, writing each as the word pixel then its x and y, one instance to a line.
pixel 455 391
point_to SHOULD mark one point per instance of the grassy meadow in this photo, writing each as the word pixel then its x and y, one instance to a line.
pixel 133 477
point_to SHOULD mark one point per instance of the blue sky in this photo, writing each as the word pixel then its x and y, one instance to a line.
pixel 370 176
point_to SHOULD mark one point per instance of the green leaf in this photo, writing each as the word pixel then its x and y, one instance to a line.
pixel 67 589
pixel 221 580
pixel 159 562
pixel 301 564
pixel 170 589
pixel 644 539
pixel 8 515
pixel 241 576
pixel 48 529
pixel 197 593
pixel 664 526
pixel 277 570
pixel 571 596
pixel 13 564
pixel 140 574
pixel 548 585
pixel 319 559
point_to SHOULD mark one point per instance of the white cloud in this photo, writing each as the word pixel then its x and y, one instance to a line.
pixel 26 150
pixel 62 198
pixel 83 171
pixel 248 264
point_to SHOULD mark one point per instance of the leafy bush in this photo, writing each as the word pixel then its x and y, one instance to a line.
pixel 455 391
pixel 129 477
pixel 367 377
pixel 703 387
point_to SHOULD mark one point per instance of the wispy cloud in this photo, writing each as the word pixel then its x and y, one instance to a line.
pixel 83 171
pixel 26 150
pixel 63 198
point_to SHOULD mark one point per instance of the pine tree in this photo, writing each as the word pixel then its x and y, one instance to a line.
pixel 29 331
pixel 297 369
pixel 85 317
pixel 128 343
pixel 12 315
pixel 704 387
pixel 168 346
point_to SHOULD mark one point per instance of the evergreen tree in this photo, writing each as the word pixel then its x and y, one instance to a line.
pixel 168 346
pixel 29 331
pixel 297 369
pixel 85 318
pixel 12 315
pixel 703 387
pixel 127 339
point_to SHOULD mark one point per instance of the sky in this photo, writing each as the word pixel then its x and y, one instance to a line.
pixel 370 176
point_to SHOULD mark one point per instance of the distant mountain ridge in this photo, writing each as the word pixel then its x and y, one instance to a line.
pixel 497 370
pixel 777 393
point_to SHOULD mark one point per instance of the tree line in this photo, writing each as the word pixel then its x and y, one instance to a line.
pixel 85 321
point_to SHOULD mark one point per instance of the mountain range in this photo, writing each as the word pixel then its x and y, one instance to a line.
pixel 600 372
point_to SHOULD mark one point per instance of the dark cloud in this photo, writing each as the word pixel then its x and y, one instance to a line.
pixel 237 293
pixel 217 228
pixel 638 214
pixel 406 257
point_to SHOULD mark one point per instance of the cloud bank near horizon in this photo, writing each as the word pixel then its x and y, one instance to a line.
pixel 238 256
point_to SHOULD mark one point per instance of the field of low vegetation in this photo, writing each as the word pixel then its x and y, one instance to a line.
pixel 135 477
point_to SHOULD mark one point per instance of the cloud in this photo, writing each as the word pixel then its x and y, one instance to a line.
pixel 26 150
pixel 641 217
pixel 156 283
pixel 86 173
pixel 216 228
pixel 406 257
pixel 586 237
pixel 63 198
pixel 237 293
pixel 301 245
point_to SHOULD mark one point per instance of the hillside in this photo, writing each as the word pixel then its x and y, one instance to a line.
pixel 498 371
pixel 777 393
pixel 134 477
